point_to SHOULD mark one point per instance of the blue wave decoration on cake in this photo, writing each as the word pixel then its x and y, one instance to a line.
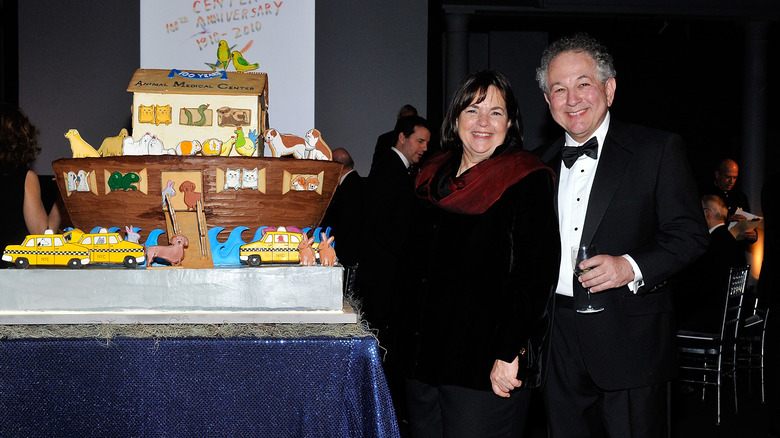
pixel 226 253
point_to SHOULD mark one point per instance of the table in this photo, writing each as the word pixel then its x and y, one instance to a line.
pixel 235 387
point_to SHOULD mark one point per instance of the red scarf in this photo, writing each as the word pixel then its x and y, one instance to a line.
pixel 477 189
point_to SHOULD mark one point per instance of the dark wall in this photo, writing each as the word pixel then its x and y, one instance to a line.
pixel 9 53
pixel 76 62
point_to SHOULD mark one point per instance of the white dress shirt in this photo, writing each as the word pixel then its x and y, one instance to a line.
pixel 403 157
pixel 574 188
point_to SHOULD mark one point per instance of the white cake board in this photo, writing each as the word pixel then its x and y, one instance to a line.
pixel 346 316
pixel 269 294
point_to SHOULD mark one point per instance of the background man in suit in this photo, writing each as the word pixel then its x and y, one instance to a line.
pixel 702 288
pixel 389 200
pixel 723 185
pixel 345 212
pixel 388 139
pixel 633 195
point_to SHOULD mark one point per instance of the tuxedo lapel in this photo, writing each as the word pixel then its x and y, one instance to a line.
pixel 611 170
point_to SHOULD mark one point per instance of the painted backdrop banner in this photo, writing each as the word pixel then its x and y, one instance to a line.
pixel 278 35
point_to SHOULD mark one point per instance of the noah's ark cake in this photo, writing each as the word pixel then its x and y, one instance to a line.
pixel 194 165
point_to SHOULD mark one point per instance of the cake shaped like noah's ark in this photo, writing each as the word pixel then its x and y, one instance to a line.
pixel 198 136
pixel 195 165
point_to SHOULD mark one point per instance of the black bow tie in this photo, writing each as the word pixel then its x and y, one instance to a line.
pixel 571 153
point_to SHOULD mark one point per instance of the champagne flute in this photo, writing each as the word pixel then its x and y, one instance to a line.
pixel 579 254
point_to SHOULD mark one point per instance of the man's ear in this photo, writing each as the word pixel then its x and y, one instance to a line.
pixel 610 86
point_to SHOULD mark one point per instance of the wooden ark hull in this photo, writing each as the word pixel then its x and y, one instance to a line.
pixel 121 191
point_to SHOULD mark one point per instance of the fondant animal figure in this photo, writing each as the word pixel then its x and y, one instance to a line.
pixel 242 64
pixel 327 253
pixel 173 253
pixel 306 252
pixel 249 178
pixel 312 183
pixel 211 147
pixel 112 146
pixel 82 181
pixel 80 148
pixel 244 145
pixel 168 190
pixel 227 116
pixel 187 147
pixel 285 144
pixel 227 147
pixel 191 197
pixel 223 54
pixel 232 179
pixel 72 181
pixel 190 120
pixel 125 182
pixel 137 147
pixel 145 114
pixel 130 235
pixel 156 147
pixel 162 114
pixel 316 148
pixel 299 183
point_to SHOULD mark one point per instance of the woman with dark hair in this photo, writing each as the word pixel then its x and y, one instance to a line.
pixel 23 209
pixel 472 313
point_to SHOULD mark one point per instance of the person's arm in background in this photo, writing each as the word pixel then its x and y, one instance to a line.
pixel 35 216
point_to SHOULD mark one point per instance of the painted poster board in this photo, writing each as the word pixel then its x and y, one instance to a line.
pixel 279 35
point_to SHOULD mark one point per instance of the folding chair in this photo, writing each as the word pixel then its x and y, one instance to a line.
pixel 706 358
pixel 750 344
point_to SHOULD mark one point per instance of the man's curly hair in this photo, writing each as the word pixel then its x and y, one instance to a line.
pixel 18 139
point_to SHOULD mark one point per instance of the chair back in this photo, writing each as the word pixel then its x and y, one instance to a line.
pixel 733 305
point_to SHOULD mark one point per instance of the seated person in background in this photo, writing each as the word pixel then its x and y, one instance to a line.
pixel 701 299
pixel 24 212
pixel 723 185
pixel 388 139
pixel 345 212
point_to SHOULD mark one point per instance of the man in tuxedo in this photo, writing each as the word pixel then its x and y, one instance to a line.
pixel 345 212
pixel 629 190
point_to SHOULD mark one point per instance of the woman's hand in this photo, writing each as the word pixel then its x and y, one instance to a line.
pixel 504 377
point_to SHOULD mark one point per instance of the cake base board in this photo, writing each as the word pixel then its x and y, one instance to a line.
pixel 346 316
pixel 240 294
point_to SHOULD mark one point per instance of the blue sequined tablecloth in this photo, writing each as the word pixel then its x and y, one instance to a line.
pixel 128 387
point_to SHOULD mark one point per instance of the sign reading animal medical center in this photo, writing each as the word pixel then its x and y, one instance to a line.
pixel 277 35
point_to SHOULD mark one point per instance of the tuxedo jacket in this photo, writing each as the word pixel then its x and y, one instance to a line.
pixel 384 142
pixel 389 199
pixel 643 203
